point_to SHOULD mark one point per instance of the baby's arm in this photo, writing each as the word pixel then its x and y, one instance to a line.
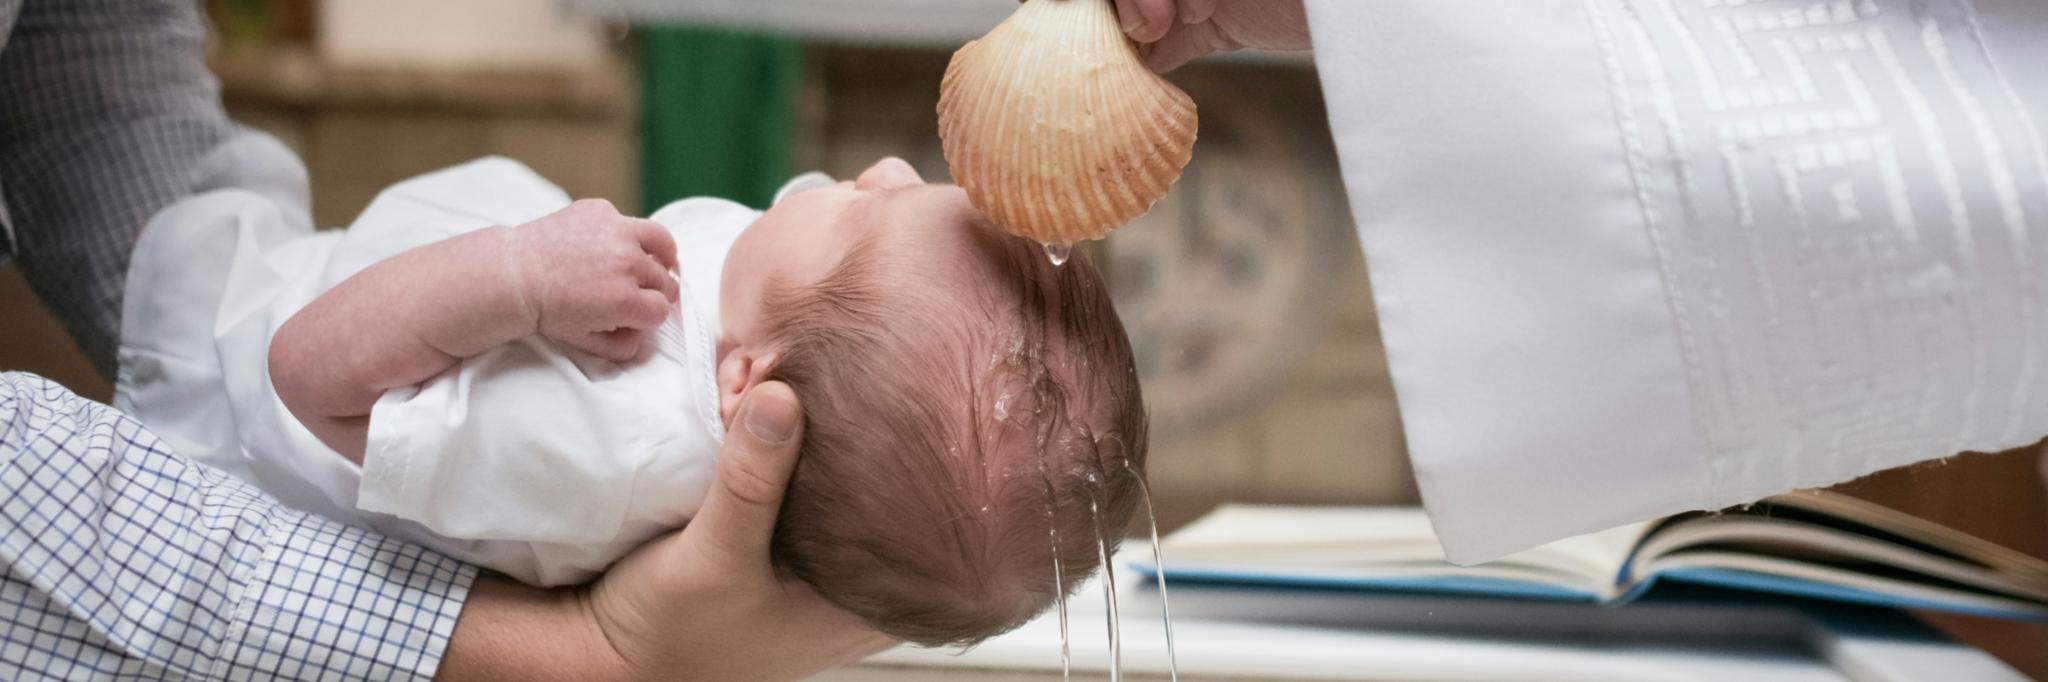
pixel 584 276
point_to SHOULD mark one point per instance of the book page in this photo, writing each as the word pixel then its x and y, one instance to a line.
pixel 1769 574
pixel 1367 542
pixel 1804 550
pixel 1914 528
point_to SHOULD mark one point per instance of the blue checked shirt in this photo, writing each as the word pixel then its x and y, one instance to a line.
pixel 126 561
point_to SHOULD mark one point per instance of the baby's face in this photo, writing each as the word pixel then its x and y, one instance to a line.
pixel 800 240
pixel 797 242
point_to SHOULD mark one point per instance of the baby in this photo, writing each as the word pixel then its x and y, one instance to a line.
pixel 542 399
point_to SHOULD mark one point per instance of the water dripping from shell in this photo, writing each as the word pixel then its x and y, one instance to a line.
pixel 1059 253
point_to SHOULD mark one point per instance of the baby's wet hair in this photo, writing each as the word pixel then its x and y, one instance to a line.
pixel 955 442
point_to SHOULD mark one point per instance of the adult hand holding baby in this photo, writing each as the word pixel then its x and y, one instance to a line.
pixel 702 603
pixel 705 601
pixel 596 280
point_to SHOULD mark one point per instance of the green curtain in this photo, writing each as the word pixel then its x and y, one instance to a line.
pixel 718 113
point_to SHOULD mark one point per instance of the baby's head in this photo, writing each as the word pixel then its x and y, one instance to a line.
pixel 971 411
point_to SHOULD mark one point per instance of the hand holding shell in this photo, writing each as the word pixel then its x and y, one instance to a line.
pixel 1055 128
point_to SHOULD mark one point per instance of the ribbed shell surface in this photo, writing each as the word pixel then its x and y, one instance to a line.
pixel 1056 129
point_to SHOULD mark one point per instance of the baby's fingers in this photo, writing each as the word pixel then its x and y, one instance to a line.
pixel 643 309
pixel 656 241
pixel 618 345
pixel 652 276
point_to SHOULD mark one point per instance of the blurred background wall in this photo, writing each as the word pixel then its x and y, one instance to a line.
pixel 1244 290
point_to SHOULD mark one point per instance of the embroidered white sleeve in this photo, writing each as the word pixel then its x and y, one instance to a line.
pixel 1635 257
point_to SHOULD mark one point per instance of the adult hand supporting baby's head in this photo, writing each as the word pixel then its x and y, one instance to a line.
pixel 704 602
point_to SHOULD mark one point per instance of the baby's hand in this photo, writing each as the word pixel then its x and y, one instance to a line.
pixel 594 279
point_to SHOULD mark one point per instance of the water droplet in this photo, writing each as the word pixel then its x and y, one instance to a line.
pixel 1059 253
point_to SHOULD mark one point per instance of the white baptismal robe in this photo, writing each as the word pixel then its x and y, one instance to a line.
pixel 541 462
pixel 1635 257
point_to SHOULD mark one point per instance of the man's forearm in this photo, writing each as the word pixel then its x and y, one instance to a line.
pixel 510 631
pixel 191 573
pixel 396 323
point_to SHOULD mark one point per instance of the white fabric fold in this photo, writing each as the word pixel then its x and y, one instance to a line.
pixel 537 461
pixel 1635 257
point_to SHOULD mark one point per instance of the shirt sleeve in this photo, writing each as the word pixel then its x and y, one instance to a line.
pixel 1632 259
pixel 125 560
pixel 523 442
pixel 108 106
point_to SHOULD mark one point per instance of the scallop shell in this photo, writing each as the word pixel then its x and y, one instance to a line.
pixel 1055 127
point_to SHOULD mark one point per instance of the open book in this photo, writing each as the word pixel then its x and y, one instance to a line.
pixel 1811 544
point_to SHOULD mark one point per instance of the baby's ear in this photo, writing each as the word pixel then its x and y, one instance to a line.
pixel 740 370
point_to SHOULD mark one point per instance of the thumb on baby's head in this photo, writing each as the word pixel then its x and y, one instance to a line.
pixel 738 517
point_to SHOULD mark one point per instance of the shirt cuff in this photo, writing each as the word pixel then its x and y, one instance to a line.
pixel 388 446
pixel 331 601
